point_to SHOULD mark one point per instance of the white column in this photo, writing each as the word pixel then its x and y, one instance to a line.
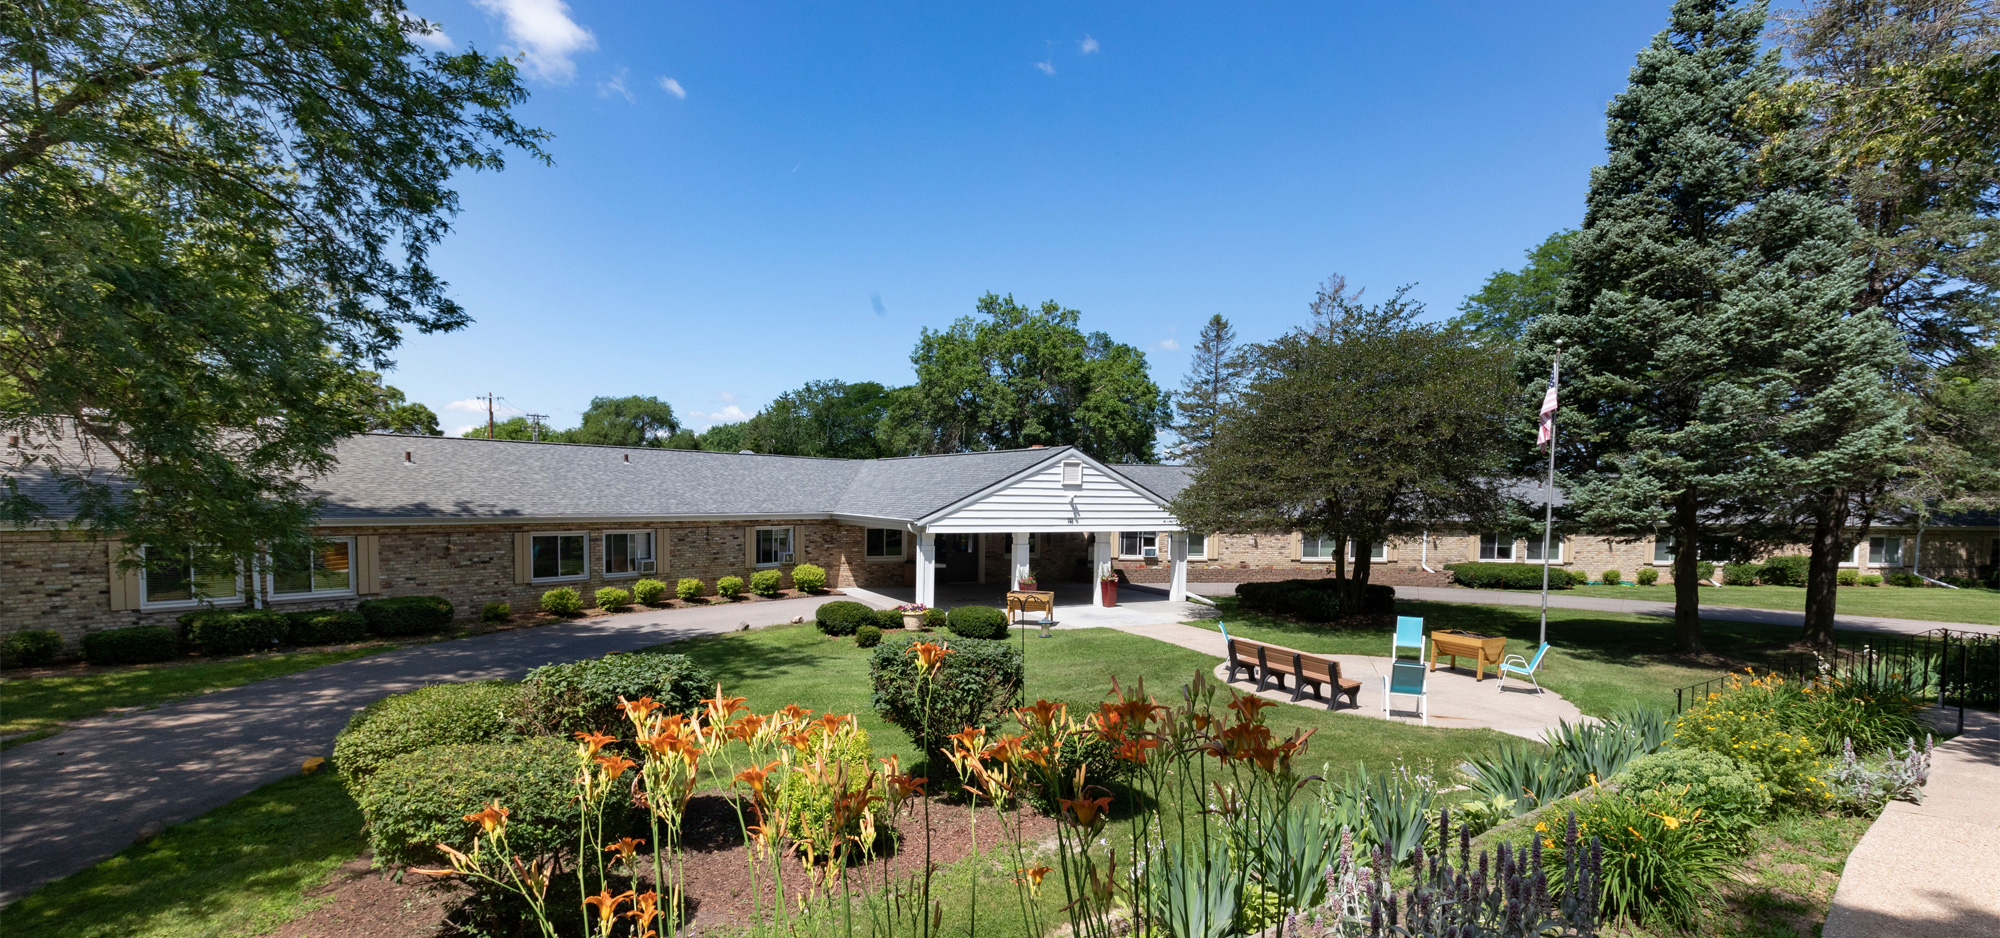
pixel 1020 559
pixel 1178 550
pixel 1101 568
pixel 927 568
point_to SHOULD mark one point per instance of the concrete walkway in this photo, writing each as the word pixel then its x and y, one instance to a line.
pixel 73 799
pixel 1932 870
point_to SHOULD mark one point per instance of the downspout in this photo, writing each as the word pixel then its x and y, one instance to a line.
pixel 1424 558
pixel 1917 559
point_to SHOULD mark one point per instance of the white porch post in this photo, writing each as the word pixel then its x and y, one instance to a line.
pixel 1101 568
pixel 927 568
pixel 1178 547
pixel 1020 560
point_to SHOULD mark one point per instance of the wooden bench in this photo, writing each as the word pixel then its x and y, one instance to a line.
pixel 1270 663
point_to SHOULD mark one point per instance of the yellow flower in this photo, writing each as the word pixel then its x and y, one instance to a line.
pixel 1542 827
pixel 1548 844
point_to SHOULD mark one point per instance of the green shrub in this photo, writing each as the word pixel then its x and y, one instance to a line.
pixel 978 681
pixel 1612 577
pixel 442 714
pixel 420 800
pixel 1871 580
pixel 648 591
pixel 1740 574
pixel 1848 577
pixel 1875 710
pixel 767 582
pixel 500 611
pixel 1704 570
pixel 934 619
pixel 1903 579
pixel 582 696
pixel 842 616
pixel 1742 721
pixel 868 636
pixel 729 587
pixel 561 601
pixel 232 631
pixel 888 620
pixel 809 578
pixel 1512 576
pixel 137 644
pixel 1648 576
pixel 1788 570
pixel 688 589
pixel 1084 748
pixel 1728 793
pixel 30 648
pixel 977 622
pixel 1311 599
pixel 1660 860
pixel 612 598
pixel 325 627
pixel 826 769
pixel 407 615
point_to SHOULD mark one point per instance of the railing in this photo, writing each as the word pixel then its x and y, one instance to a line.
pixel 1958 669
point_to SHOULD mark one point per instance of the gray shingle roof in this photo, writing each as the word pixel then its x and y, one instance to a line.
pixel 1164 481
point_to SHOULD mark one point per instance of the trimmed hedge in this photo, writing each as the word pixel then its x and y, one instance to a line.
pixel 767 582
pixel 561 601
pixel 975 685
pixel 729 587
pixel 582 696
pixel 648 591
pixel 888 620
pixel 442 714
pixel 1311 599
pixel 688 589
pixel 1740 574
pixel 977 622
pixel 1789 570
pixel 30 648
pixel 407 615
pixel 1612 577
pixel 137 644
pixel 867 636
pixel 612 599
pixel 843 616
pixel 809 578
pixel 419 801
pixel 1512 576
pixel 325 627
pixel 1648 576
pixel 1848 577
pixel 497 611
pixel 233 631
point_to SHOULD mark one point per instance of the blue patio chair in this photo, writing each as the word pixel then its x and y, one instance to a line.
pixel 1522 667
pixel 1409 634
pixel 1407 678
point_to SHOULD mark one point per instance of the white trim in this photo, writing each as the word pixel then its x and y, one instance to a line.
pixel 585 575
pixel 791 546
pixel 902 547
pixel 1139 538
pixel 653 558
pixel 268 573
pixel 147 605
pixel 1479 550
pixel 1063 452
pixel 1315 540
pixel 1372 559
pixel 1557 545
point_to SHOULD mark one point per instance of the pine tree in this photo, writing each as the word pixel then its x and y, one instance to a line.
pixel 1214 376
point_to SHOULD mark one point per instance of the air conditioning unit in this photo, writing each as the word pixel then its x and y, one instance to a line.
pixel 646 566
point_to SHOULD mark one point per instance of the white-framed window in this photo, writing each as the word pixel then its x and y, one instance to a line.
pixel 1317 547
pixel 325 569
pixel 1663 549
pixel 774 546
pixel 1198 546
pixel 1533 551
pixel 1496 547
pixel 178 579
pixel 1885 551
pixel 563 556
pixel 1378 552
pixel 1138 544
pixel 628 553
pixel 885 544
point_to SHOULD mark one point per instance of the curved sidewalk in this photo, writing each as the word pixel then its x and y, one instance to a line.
pixel 73 799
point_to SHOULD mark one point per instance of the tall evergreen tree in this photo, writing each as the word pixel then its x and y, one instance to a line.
pixel 1214 376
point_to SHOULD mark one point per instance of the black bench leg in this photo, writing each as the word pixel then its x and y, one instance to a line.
pixel 1263 670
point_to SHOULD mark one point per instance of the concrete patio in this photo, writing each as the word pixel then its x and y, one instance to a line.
pixel 1136 607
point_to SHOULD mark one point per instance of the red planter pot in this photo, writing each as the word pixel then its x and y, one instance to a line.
pixel 1108 589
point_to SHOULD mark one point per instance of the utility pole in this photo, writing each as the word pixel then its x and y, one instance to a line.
pixel 536 420
pixel 489 415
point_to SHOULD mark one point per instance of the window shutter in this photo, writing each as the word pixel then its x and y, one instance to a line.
pixel 1298 545
pixel 660 552
pixel 368 564
pixel 749 547
pixel 524 568
pixel 125 595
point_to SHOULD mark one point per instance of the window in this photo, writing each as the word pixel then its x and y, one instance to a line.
pixel 1317 547
pixel 1198 546
pixel 1663 549
pixel 1138 544
pixel 885 544
pixel 1885 551
pixel 1496 547
pixel 325 569
pixel 559 556
pixel 1534 552
pixel 182 578
pixel 1377 552
pixel 1072 472
pixel 774 546
pixel 628 553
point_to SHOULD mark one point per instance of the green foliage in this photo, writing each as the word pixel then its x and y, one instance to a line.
pixel 1612 577
pixel 420 800
pixel 1648 576
pixel 1312 599
pixel 1848 577
pixel 391 412
pixel 974 686
pixel 1730 795
pixel 582 696
pixel 1903 579
pixel 562 601
pixel 232 631
pixel 612 599
pixel 1512 576
pixel 1740 574
pixel 1871 580
pixel 407 615
pixel 325 627
pixel 889 620
pixel 831 419
pixel 496 611
pixel 648 591
pixel 1510 300
pixel 767 582
pixel 809 578
pixel 867 636
pixel 623 421
pixel 1215 374
pixel 30 648
pixel 1788 570
pixel 1661 861
pixel 1525 778
pixel 395 726
pixel 1704 570
pixel 688 589
pixel 977 622
pixel 842 616
pixel 828 769
pixel 1743 722
pixel 1519 778
pixel 1390 810
pixel 729 587
pixel 138 644
pixel 1195 891
pixel 936 619
pixel 1848 705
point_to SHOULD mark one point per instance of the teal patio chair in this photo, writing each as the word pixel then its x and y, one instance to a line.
pixel 1409 634
pixel 1407 679
pixel 1522 667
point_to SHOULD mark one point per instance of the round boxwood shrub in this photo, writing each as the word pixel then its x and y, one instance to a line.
pixel 1704 570
pixel 842 617
pixel 561 601
pixel 688 589
pixel 1740 574
pixel 612 599
pixel 648 591
pixel 582 696
pixel 395 726
pixel 729 587
pixel 1730 794
pixel 976 684
pixel 809 578
pixel 767 582
pixel 497 611
pixel 138 644
pixel 888 620
pixel 407 615
pixel 234 631
pixel 30 648
pixel 1788 570
pixel 868 636
pixel 325 627
pixel 977 622
pixel 1648 576
pixel 1612 577
pixel 1848 577
pixel 934 619
pixel 421 799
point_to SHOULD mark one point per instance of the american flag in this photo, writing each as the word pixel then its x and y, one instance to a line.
pixel 1548 430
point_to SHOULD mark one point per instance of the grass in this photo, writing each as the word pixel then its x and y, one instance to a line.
pixel 39 706
pixel 241 869
pixel 1785 884
pixel 1933 604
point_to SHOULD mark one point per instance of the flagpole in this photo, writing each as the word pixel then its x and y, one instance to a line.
pixel 1549 500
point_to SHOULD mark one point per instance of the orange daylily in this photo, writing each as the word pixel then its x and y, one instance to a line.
pixel 721 708
pixel 1033 877
pixel 833 723
pixel 594 741
pixel 1087 810
pixel 645 908
pixel 626 847
pixel 793 713
pixel 639 709
pixel 614 766
pixel 755 776
pixel 1042 713
pixel 606 905
pixel 491 818
pixel 929 656
pixel 1249 706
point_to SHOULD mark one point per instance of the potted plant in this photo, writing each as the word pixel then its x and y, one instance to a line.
pixel 1027 583
pixel 1107 587
pixel 913 616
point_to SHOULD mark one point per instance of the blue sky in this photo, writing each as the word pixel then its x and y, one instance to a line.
pixel 750 196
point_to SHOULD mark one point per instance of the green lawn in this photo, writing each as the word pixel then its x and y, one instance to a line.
pixel 38 706
pixel 1935 604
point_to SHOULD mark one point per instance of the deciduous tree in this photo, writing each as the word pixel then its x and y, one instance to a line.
pixel 634 420
pixel 1511 299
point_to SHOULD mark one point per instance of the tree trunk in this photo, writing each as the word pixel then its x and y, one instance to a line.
pixel 1356 600
pixel 1687 591
pixel 1823 574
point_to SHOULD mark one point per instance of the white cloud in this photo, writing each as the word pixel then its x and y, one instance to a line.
pixel 1168 345
pixel 1087 45
pixel 725 397
pixel 426 33
pixel 672 87
pixel 547 36
pixel 1047 67
pixel 729 414
pixel 614 86
pixel 473 404
pixel 468 428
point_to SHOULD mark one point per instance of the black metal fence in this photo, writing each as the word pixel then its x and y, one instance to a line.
pixel 1955 668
